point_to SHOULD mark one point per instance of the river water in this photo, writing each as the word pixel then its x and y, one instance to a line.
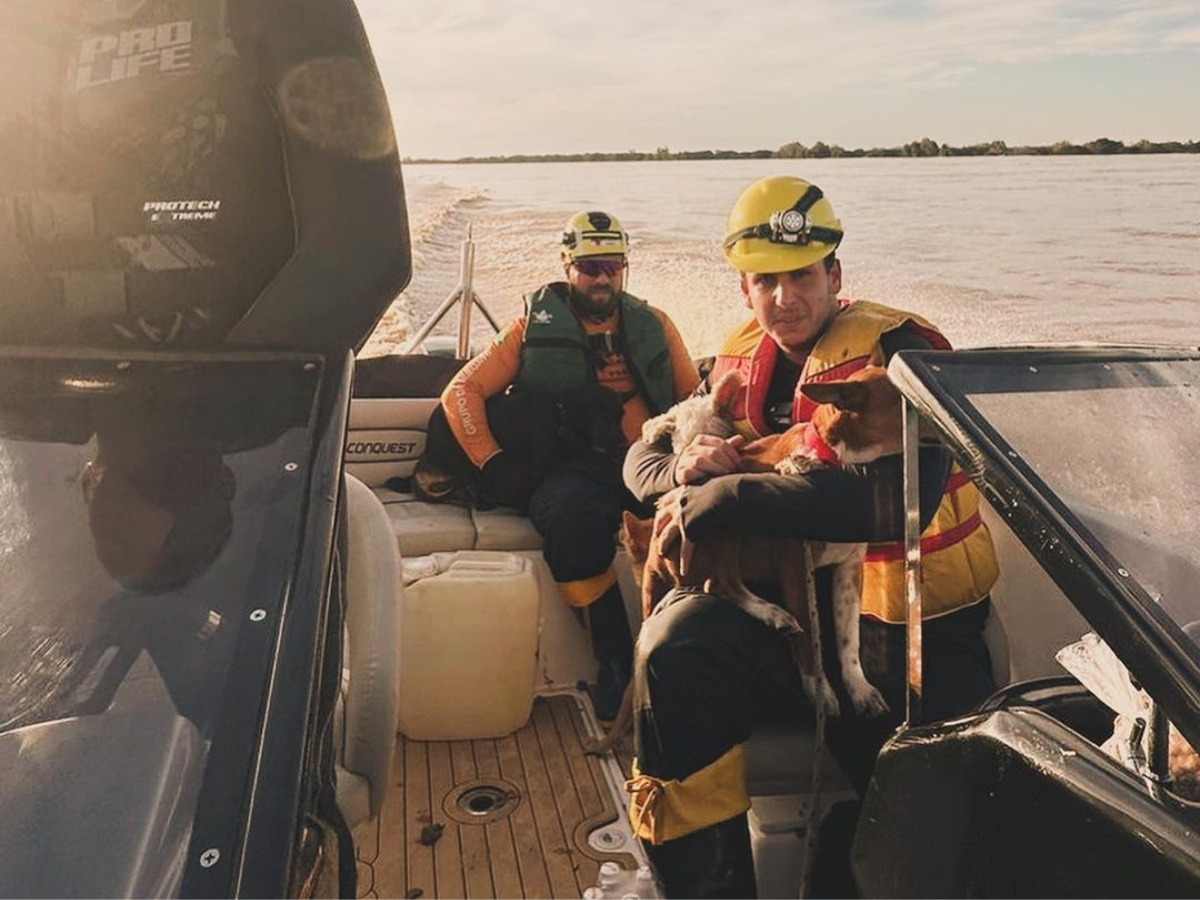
pixel 994 250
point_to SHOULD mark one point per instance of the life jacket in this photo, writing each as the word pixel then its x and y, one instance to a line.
pixel 958 561
pixel 555 353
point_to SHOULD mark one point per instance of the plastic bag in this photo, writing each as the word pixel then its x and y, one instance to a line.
pixel 1099 670
pixel 1093 662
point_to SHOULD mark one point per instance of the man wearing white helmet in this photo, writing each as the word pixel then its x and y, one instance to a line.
pixel 707 673
pixel 583 329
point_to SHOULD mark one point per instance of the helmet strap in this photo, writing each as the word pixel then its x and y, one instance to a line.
pixel 791 226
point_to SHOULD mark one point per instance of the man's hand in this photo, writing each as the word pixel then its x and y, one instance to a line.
pixel 706 456
pixel 668 528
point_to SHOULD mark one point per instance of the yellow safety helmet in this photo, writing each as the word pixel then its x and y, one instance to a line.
pixel 593 234
pixel 779 224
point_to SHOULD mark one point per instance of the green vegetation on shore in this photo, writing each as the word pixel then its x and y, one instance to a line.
pixel 821 150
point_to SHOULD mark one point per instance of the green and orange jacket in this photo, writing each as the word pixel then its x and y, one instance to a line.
pixel 637 353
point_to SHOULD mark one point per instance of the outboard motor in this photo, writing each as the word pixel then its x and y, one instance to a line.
pixel 201 219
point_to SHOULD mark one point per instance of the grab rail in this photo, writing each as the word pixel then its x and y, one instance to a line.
pixel 464 292
pixel 910 429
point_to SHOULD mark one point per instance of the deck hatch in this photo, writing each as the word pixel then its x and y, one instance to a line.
pixel 480 802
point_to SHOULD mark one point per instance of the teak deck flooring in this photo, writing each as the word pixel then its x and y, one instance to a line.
pixel 539 849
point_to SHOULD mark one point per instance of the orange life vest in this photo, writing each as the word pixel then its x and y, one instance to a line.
pixel 958 560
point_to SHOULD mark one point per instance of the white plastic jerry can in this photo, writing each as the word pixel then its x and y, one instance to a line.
pixel 468 626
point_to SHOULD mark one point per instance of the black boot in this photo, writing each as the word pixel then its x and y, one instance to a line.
pixel 712 862
pixel 612 644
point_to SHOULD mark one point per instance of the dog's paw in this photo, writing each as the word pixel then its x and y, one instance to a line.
pixel 770 614
pixel 796 464
pixel 788 466
pixel 777 617
pixel 821 693
pixel 865 698
pixel 658 427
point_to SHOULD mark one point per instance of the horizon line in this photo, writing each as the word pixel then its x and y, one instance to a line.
pixel 923 149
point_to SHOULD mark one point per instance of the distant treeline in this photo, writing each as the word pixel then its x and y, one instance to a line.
pixel 821 150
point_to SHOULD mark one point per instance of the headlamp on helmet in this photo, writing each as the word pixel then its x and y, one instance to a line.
pixel 779 224
pixel 791 225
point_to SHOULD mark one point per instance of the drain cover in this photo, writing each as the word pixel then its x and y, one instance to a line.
pixel 480 802
pixel 608 840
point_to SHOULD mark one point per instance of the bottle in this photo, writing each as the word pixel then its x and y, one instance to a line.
pixel 644 882
pixel 610 879
pixel 617 883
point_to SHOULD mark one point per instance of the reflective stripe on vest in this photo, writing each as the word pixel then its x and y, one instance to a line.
pixel 958 560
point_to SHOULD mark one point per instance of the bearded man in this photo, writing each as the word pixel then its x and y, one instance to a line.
pixel 583 329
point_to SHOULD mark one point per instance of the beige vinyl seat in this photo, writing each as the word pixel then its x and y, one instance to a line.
pixel 385 439
pixel 365 715
pixel 421 528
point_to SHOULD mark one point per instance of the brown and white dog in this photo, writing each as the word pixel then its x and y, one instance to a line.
pixel 857 421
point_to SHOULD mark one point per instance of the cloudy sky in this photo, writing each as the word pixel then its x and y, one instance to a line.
pixel 482 77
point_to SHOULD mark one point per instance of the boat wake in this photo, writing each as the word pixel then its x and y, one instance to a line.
pixel 438 218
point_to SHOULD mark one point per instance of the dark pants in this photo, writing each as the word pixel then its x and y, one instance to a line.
pixel 577 518
pixel 706 673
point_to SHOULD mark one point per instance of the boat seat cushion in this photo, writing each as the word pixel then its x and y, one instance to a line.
pixel 504 529
pixel 423 528
pixel 385 439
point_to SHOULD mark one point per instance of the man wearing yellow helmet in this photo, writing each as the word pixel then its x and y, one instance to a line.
pixel 585 328
pixel 705 672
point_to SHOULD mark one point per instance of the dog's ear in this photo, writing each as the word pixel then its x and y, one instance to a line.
pixel 726 392
pixel 850 396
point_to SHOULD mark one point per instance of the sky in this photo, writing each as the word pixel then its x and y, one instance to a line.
pixel 481 77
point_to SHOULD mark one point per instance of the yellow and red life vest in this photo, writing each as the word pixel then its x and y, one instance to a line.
pixel 958 560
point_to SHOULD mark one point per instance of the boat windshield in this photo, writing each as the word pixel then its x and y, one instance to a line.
pixel 146 513
pixel 1115 441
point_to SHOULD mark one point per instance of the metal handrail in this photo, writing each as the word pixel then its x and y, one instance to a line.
pixel 464 289
pixel 912 562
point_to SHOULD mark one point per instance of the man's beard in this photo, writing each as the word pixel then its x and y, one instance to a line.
pixel 594 308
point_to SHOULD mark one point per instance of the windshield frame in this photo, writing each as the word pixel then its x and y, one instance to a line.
pixel 260 750
pixel 1121 610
